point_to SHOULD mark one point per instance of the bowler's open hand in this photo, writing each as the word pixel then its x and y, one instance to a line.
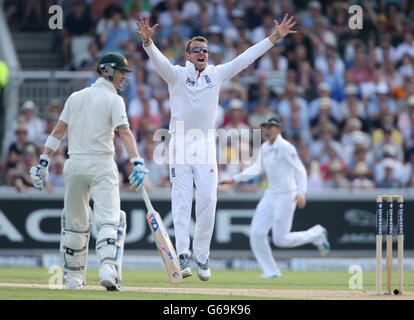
pixel 144 30
pixel 283 29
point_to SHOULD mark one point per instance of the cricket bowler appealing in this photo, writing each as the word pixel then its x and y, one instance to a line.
pixel 194 93
pixel 90 117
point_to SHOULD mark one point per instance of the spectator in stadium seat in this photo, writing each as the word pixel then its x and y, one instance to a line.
pixel 136 105
pixel 218 13
pixel 361 154
pixel 382 100
pixel 115 34
pixel 408 176
pixel 351 106
pixel 264 29
pixel 384 51
pixel 16 151
pixel 233 90
pixel 406 123
pixel 34 124
pixel 352 127
pixel 337 178
pixel 236 23
pixel 335 78
pixel 319 148
pixel 77 23
pixel 50 121
pixel 406 69
pixel 20 176
pixel 324 115
pixel 54 107
pixel 312 14
pixel 324 92
pixel 260 91
pixel 35 6
pixel 145 136
pixel 332 156
pixel 389 153
pixel 140 122
pixel 254 13
pixel 315 181
pixel 236 115
pixel 274 61
pixel 361 177
pixel 388 134
pixel 293 127
pixel 361 70
pixel 91 60
pixel 56 177
pixel 98 8
pixel 389 181
pixel 331 52
pixel 261 113
pixel 289 99
pixel 406 47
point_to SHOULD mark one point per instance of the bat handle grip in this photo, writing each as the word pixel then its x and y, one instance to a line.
pixel 147 199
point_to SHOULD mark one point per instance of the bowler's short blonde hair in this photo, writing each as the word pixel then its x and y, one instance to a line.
pixel 197 38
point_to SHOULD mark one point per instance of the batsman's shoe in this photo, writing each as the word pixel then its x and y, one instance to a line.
pixel 108 277
pixel 73 282
pixel 110 285
pixel 324 245
pixel 185 266
pixel 203 270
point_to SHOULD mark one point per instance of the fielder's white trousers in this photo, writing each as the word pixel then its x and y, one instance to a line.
pixel 275 212
pixel 184 176
pixel 93 177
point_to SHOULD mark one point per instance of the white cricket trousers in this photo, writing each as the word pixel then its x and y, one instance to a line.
pixel 275 212
pixel 183 177
pixel 95 177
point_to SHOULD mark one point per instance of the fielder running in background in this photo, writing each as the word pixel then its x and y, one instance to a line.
pixel 194 93
pixel 90 116
pixel 287 180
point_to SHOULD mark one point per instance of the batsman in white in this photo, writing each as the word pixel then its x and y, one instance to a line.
pixel 287 180
pixel 194 93
pixel 90 117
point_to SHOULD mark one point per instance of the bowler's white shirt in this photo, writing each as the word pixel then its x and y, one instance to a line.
pixel 281 164
pixel 193 95
pixel 92 114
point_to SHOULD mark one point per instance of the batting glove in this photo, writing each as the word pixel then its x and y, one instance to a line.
pixel 40 173
pixel 137 177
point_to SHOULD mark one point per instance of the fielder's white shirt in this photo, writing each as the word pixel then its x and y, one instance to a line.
pixel 281 164
pixel 92 114
pixel 193 95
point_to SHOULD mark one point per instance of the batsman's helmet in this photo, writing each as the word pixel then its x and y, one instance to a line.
pixel 110 61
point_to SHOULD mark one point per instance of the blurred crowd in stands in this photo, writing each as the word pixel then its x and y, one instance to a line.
pixel 346 96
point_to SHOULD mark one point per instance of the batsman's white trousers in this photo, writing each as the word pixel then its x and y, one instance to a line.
pixel 91 176
pixel 275 212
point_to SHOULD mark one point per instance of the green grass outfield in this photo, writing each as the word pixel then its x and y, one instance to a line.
pixel 15 283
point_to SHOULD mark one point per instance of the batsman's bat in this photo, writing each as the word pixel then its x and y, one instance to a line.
pixel 163 241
